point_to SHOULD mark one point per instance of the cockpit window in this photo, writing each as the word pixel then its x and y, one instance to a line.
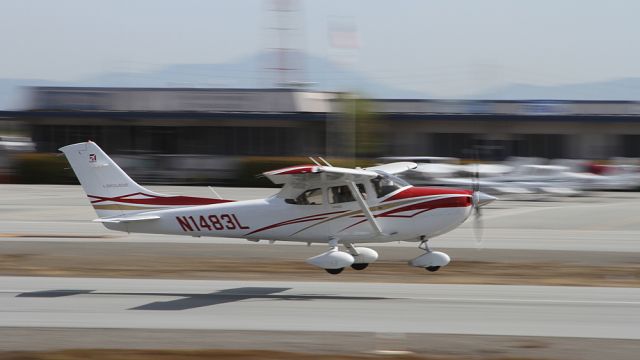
pixel 309 197
pixel 342 193
pixel 385 184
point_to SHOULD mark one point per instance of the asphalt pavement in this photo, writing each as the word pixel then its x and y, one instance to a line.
pixel 612 313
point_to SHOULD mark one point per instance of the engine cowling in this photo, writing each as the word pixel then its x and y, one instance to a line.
pixel 433 258
pixel 332 259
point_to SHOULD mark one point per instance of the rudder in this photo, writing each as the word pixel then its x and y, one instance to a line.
pixel 103 180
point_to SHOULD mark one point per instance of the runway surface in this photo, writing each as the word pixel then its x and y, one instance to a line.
pixel 45 223
pixel 612 313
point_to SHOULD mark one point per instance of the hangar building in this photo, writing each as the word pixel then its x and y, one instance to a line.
pixel 303 122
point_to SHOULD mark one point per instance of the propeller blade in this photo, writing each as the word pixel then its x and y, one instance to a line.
pixel 478 227
pixel 477 199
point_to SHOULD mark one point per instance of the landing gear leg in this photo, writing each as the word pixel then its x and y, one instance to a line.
pixel 424 244
pixel 333 243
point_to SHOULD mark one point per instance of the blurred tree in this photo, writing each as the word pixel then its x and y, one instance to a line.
pixel 359 128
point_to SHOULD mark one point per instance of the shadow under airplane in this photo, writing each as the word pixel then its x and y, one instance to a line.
pixel 192 301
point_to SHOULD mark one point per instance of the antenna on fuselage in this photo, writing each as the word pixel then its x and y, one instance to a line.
pixel 215 192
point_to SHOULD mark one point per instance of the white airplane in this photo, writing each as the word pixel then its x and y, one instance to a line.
pixel 317 204
pixel 528 179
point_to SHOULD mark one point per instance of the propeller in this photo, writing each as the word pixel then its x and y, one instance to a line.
pixel 475 199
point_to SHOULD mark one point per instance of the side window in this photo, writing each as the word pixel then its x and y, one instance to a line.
pixel 341 194
pixel 310 197
pixel 384 186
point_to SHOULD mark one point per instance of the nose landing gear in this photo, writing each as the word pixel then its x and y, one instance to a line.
pixel 431 260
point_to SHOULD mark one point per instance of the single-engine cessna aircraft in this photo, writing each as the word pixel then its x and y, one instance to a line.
pixel 317 204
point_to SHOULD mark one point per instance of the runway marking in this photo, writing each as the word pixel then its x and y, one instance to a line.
pixel 391 352
pixel 568 302
pixel 62 236
pixel 74 222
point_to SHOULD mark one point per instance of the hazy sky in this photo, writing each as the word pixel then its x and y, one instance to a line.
pixel 447 47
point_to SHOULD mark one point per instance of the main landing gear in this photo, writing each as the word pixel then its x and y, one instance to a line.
pixel 362 256
pixel 431 260
pixel 334 261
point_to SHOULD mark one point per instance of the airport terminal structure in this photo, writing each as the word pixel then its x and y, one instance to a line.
pixel 285 122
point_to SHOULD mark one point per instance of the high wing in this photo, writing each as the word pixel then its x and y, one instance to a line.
pixel 394 168
pixel 312 173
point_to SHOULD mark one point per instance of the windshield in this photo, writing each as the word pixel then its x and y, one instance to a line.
pixel 386 183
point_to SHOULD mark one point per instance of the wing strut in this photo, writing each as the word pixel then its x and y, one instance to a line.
pixel 363 206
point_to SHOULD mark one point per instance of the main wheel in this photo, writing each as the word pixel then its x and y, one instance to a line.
pixel 334 271
pixel 432 268
pixel 359 266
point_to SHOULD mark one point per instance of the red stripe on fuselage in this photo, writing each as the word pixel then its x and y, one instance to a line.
pixel 449 202
pixel 457 201
pixel 159 200
pixel 419 191
pixel 296 220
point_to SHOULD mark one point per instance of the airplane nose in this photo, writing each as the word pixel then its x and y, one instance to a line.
pixel 484 199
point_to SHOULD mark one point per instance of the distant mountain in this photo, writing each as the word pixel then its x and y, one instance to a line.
pixel 617 89
pixel 248 72
pixel 318 74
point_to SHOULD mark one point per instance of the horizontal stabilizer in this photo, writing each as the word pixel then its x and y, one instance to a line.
pixel 119 220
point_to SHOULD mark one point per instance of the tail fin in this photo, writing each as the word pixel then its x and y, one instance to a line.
pixel 111 191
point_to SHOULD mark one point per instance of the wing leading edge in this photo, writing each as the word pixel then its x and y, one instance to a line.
pixel 313 172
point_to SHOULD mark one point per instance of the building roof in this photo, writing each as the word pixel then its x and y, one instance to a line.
pixel 266 101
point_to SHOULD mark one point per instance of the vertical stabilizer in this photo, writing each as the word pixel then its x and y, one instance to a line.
pixel 102 179
pixel 111 191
